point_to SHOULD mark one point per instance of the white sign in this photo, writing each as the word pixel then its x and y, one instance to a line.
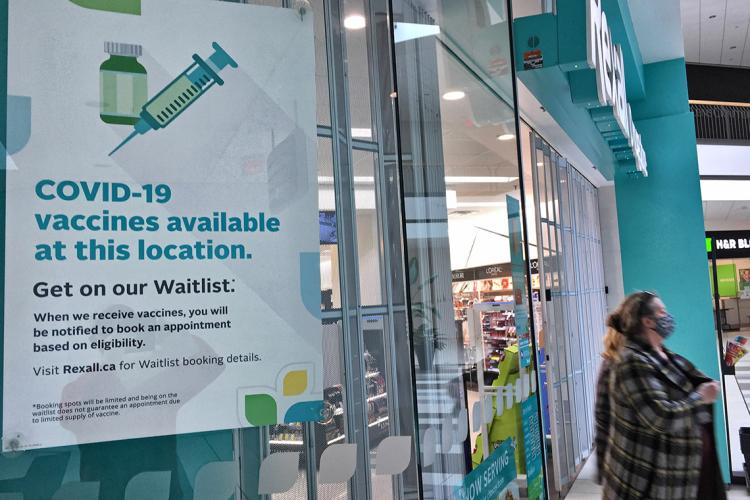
pixel 606 57
pixel 172 285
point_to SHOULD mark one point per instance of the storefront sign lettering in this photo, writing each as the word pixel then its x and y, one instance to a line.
pixel 492 477
pixel 732 244
pixel 728 244
pixel 606 57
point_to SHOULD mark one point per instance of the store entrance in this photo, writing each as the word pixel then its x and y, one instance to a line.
pixel 570 303
pixel 729 270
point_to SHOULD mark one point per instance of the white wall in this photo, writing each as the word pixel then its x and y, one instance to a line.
pixel 717 159
pixel 611 246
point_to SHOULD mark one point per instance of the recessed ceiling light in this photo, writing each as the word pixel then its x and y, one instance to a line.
pixel 362 133
pixel 354 22
pixel 539 164
pixel 480 179
pixel 454 95
pixel 506 137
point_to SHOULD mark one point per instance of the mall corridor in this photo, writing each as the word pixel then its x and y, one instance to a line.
pixel 585 487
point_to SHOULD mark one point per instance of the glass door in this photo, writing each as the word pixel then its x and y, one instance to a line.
pixel 572 303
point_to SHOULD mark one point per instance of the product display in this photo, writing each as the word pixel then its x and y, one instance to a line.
pixel 498 328
pixel 331 428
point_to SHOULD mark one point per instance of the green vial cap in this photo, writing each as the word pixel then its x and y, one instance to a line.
pixel 123 49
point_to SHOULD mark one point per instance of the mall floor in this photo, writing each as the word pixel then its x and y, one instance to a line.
pixel 585 487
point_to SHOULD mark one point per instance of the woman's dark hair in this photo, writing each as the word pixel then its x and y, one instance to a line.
pixel 626 319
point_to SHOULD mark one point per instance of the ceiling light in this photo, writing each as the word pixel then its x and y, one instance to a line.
pixel 506 137
pixel 480 204
pixel 454 95
pixel 451 199
pixel 478 180
pixel 354 22
pixel 327 179
pixel 411 31
pixel 362 133
pixel 540 164
pixel 725 190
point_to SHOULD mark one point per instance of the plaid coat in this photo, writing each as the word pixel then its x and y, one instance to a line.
pixel 655 436
pixel 602 416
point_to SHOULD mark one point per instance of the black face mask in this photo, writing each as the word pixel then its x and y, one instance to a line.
pixel 665 325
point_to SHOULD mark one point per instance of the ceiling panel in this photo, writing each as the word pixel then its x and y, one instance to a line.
pixel 716 31
pixel 735 31
pixel 690 12
pixel 739 212
pixel 718 210
pixel 746 51
pixel 712 30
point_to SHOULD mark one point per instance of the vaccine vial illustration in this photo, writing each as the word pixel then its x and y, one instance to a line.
pixel 123 84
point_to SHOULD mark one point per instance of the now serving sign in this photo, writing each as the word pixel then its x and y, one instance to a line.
pixel 492 477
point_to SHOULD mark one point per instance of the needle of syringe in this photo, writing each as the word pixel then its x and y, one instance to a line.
pixel 127 139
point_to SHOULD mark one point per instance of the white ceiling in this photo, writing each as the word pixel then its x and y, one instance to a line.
pixel 716 31
pixel 657 28
pixel 727 210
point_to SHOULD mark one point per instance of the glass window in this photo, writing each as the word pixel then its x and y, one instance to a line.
pixel 573 307
pixel 462 205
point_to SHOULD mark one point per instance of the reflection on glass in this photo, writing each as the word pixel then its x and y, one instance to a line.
pixel 461 172
pixel 574 308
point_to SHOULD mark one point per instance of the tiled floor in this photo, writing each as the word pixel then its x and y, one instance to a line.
pixel 586 489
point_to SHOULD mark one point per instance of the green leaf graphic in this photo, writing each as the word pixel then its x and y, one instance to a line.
pixel 120 6
pixel 260 409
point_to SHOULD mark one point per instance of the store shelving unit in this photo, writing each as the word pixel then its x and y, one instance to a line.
pixel 290 436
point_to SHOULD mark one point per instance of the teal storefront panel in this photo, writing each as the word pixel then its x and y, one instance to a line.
pixel 660 217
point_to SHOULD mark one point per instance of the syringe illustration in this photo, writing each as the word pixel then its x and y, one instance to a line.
pixel 164 107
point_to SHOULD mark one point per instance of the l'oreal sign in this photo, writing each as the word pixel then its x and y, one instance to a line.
pixel 606 58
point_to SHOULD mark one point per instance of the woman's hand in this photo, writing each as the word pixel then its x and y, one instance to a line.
pixel 709 391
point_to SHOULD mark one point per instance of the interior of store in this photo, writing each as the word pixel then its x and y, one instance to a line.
pixel 726 209
pixel 479 166
pixel 480 170
pixel 734 290
pixel 480 156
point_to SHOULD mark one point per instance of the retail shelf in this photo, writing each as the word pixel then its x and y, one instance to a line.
pixel 378 422
pixel 285 443
pixel 379 396
pixel 336 440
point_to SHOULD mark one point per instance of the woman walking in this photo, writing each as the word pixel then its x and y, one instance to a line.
pixel 614 341
pixel 661 443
